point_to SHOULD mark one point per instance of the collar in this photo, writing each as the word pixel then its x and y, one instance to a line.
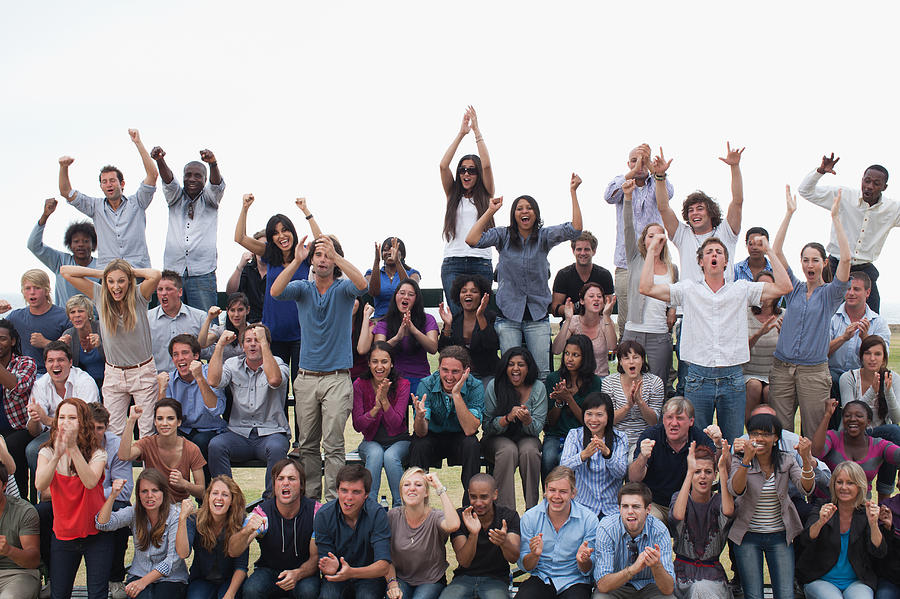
pixel 175 375
pixel 574 513
pixel 638 537
pixel 865 205
pixel 160 312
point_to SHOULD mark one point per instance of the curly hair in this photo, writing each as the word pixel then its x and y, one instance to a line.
pixel 712 207
pixel 84 227
pixel 234 518
pixel 461 281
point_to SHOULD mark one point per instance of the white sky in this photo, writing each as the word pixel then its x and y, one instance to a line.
pixel 352 105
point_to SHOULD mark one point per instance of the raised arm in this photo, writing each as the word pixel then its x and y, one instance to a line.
pixel 647 287
pixel 234 281
pixel 215 175
pixel 159 156
pixel 269 364
pixel 149 165
pixel 782 284
pixel 487 171
pixel 240 229
pixel 128 452
pixel 468 421
pixel 483 222
pixel 204 337
pixel 809 189
pixel 735 208
pixel 576 208
pixel 151 278
pixel 821 434
pixel 843 269
pixel 658 169
pixel 65 187
pixel 446 173
pixel 374 279
pixel 214 372
pixel 313 225
pixel 284 277
pixel 778 243
pixel 350 271
pixel 77 276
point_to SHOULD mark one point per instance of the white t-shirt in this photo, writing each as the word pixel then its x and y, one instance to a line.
pixel 466 216
pixel 653 320
pixel 689 242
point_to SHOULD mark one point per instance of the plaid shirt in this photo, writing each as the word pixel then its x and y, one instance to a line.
pixel 15 399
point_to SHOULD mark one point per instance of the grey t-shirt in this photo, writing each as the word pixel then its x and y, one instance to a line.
pixel 127 348
pixel 18 518
pixel 419 554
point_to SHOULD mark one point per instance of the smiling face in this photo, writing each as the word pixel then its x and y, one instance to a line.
pixel 379 365
pixel 36 297
pixel 856 294
pixel 287 486
pixel 81 246
pixel 194 178
pixel 677 426
pixel 584 254
pixel 632 363
pixel 58 366
pixel 559 495
pixel 150 495
pixel 524 216
pixel 698 218
pixel 469 176
pixel 634 513
pixel 873 183
pixel 67 418
pixel 78 316
pixel 283 238
pixel 845 488
pixel 873 359
pixel 704 477
pixel 713 260
pixel 169 296
pixel 517 370
pixel 593 300
pixel 118 285
pixel 855 420
pixel 469 297
pixel 166 421
pixel 482 497
pixel 111 186
pixel 813 264
pixel 405 298
pixel 572 357
pixel 351 497
pixel 451 371
pixel 251 347
pixel 219 499
pixel 237 314
pixel 763 441
pixel 182 356
pixel 596 419
pixel 414 490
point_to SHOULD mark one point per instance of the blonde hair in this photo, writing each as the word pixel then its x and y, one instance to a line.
pixel 111 310
pixel 80 301
pixel 857 476
pixel 38 278
pixel 561 473
pixel 410 472
pixel 664 252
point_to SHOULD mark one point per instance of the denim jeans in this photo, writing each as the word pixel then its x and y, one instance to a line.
pixel 887 474
pixel 536 337
pixel 201 439
pixel 821 589
pixel 231 446
pixel 453 267
pixel 360 588
pixel 200 290
pixel 31 454
pixel 467 587
pixel 391 459
pixel 887 589
pixel 749 559
pixel 551 451
pixel 719 389
pixel 261 585
pixel 204 589
pixel 66 557
pixel 422 591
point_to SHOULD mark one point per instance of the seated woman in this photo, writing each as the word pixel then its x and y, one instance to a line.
pixel 410 331
pixel 214 574
pixel 598 455
pixel 383 281
pixel 763 326
pixel 888 567
pixel 236 310
pixel 637 394
pixel 473 327
pixel 841 539
pixel 380 408
pixel 853 442
pixel 595 323
pixel 164 448
pixel 84 338
pixel 567 388
pixel 419 538
pixel 699 521
pixel 515 408
pixel 766 521
pixel 361 323
pixel 156 572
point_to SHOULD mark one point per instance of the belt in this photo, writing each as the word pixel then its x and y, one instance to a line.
pixel 712 563
pixel 317 373
pixel 144 363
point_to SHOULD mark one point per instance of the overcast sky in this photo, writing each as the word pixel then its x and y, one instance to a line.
pixel 352 105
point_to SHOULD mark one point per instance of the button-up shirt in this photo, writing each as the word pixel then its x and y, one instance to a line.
pixel 120 233
pixel 78 384
pixel 523 270
pixel 15 399
pixel 805 332
pixel 557 564
pixel 361 545
pixel 612 554
pixel 163 327
pixel 116 468
pixel 643 207
pixel 191 242
pixel 867 226
pixel 257 405
pixel 196 414
pixel 164 559
pixel 742 270
pixel 599 478
pixel 440 411
pixel 846 357
pixel 714 330
pixel 53 259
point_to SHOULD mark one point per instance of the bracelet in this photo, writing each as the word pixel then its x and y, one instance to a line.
pixel 560 405
pixel 479 139
pixel 812 475
pixel 71 194
pixel 661 177
pixel 745 465
pixel 309 217
pixel 392 580
pixel 441 491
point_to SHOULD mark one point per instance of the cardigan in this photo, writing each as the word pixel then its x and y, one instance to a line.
pixel 745 503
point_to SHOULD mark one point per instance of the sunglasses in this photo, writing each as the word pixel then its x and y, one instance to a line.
pixel 467 170
pixel 632 551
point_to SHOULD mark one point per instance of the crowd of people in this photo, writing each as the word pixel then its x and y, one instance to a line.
pixel 635 475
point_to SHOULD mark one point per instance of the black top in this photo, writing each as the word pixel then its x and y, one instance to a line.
pixel 488 560
pixel 286 543
pixel 254 286
pixel 667 468
pixel 569 283
pixel 483 346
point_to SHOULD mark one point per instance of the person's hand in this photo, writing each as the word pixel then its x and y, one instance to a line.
pixel 377 256
pixel 826 512
pixel 345 573
pixel 419 405
pixel 584 553
pixel 71 440
pixel 134 413
pixel 394 592
pixel 255 522
pixel 628 187
pixel 764 245
pixel 851 330
pixel 660 165
pixel 790 200
pixel 457 388
pixel 836 206
pixel 496 204
pixel 652 556
pixel 692 459
pixel 4 306
pixel 575 182
pixel 381 394
pixel 157 153
pixel 246 257
pixel 714 432
pixel 446 315
pixel 749 452
pixel 405 325
pixel 49 206
pixel 301 250
pixel 671 317
pixel 35 411
pixel 67 339
pixel 482 305
pixel 592 447
pixel 640 562
pixel 609 303
pixel 885 517
pixel 497 536
pixel 117 486
pixel 214 312
pixel 66 161
pixel 135 587
pixel 466 125
pixel 187 507
pixel 872 511
pixel 432 480
pixel 287 580
pixel 732 157
pixel 471 521
pixel 473 119
pixel 568 309
pixel 827 165
pixel 176 480
pixel 724 457
pixel 864 325
pixel 394 252
pixel 59 447
pixel 601 446
pixel 162 379
pixel 739 445
pixel 888 379
pixel 38 340
pixel 329 564
pixel 196 369
pixel 207 156
pixel 247 200
pixel 561 392
pixel 262 340
pixel 656 243
pixel 227 337
pixel 647 447
pixel 513 413
pixel 831 406
pixel 135 136
pixel 536 545
pixel 4 545
pixel 769 324
pixel 804 448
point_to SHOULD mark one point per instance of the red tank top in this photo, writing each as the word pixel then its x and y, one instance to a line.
pixel 74 506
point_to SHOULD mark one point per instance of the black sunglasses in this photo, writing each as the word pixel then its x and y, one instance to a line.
pixel 467 170
pixel 632 551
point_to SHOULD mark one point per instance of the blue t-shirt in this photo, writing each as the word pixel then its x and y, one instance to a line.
pixel 51 324
pixel 388 286
pixel 842 574
pixel 281 317
pixel 326 321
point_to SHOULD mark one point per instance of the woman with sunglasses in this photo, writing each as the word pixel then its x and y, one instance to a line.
pixel 468 197
pixel 383 280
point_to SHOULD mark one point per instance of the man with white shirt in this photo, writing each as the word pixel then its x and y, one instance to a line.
pixel 714 330
pixel 866 214
pixel 170 318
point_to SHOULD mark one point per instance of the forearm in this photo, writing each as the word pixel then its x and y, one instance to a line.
pixel 309 567
pixel 530 561
pixel 151 577
pixel 237 580
pixel 125 452
pixel 576 212
pixel 88 477
pixel 105 512
pixel 478 228
pixel 210 399
pixel 875 535
pixel 374 570
pixel 164 171
pixel 80 272
pixel 420 426
pixel 835 344
pixel 615 580
pixel 559 342
pixel 638 469
pixel 149 165
pixel 214 371
pixel 271 368
pixel 181 537
pixel 735 208
pixel 778 243
pixel 664 581
pixel 351 272
pixel 843 269
pixel 466 553
pixel 284 277
pixel 65 188
pixel 428 342
pixel 234 281
pixel 215 175
pixel 815 529
pixel 739 480
pixel 467 420
pixel 26 558
pixel 680 507
pixel 240 541
pixel 447 158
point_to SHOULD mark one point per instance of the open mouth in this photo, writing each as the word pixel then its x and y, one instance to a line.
pixel 810 274
pixel 56 371
pixel 404 305
pixel 714 262
pixel 285 243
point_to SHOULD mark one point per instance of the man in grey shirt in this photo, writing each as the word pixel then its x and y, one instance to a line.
pixel 120 221
pixel 170 318
pixel 257 428
pixel 193 220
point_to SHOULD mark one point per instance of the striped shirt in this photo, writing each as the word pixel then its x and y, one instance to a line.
pixel 652 392
pixel 597 480
pixel 880 450
pixel 767 517
pixel 612 554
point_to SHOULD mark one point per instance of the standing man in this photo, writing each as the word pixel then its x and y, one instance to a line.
pixel 193 221
pixel 121 221
pixel 756 261
pixel 171 318
pixel 323 389
pixel 568 281
pixel 866 214
pixel 645 211
pixel 39 322
pixel 80 238
pixel 634 550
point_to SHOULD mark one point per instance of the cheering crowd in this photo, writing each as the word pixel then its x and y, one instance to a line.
pixel 636 475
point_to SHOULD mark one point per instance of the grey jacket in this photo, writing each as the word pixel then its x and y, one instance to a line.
pixel 635 265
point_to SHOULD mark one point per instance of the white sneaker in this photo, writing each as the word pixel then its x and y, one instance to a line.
pixel 117 590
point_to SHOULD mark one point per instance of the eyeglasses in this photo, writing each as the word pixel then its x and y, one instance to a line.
pixel 467 170
pixel 632 551
pixel 762 434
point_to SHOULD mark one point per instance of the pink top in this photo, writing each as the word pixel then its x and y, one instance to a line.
pixel 410 358
pixel 880 451
pixel 394 420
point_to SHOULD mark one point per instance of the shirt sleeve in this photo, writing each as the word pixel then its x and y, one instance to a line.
pixel 613 194
pixel 144 195
pixel 51 258
pixel 879 327
pixel 490 421
pixel 572 448
pixel 556 234
pixel 24 370
pixel 396 415
pixel 848 386
pixel 475 397
pixel 381 537
pixel 212 194
pixel 323 533
pixel 171 191
pixel 197 462
pixel 171 556
pixel 118 519
pixel 493 237
pixel 676 293
pixel 605 553
pixel 527 528
pixel 810 191
pixel 617 463
pixel 293 291
pixel 85 204
pixel 754 292
pixel 537 406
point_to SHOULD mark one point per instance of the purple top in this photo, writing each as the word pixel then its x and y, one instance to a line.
pixel 394 420
pixel 409 362
pixel 880 451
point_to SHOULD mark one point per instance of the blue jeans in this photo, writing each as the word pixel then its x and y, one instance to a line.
pixel 422 591
pixel 821 589
pixel 160 590
pixel 229 446
pixel 391 459
pixel 887 474
pixel 31 452
pixel 551 451
pixel 536 336
pixel 360 588
pixel 200 290
pixel 204 589
pixel 65 558
pixel 887 589
pixel 467 587
pixel 261 585
pixel 453 267
pixel 749 559
pixel 719 389
pixel 201 439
